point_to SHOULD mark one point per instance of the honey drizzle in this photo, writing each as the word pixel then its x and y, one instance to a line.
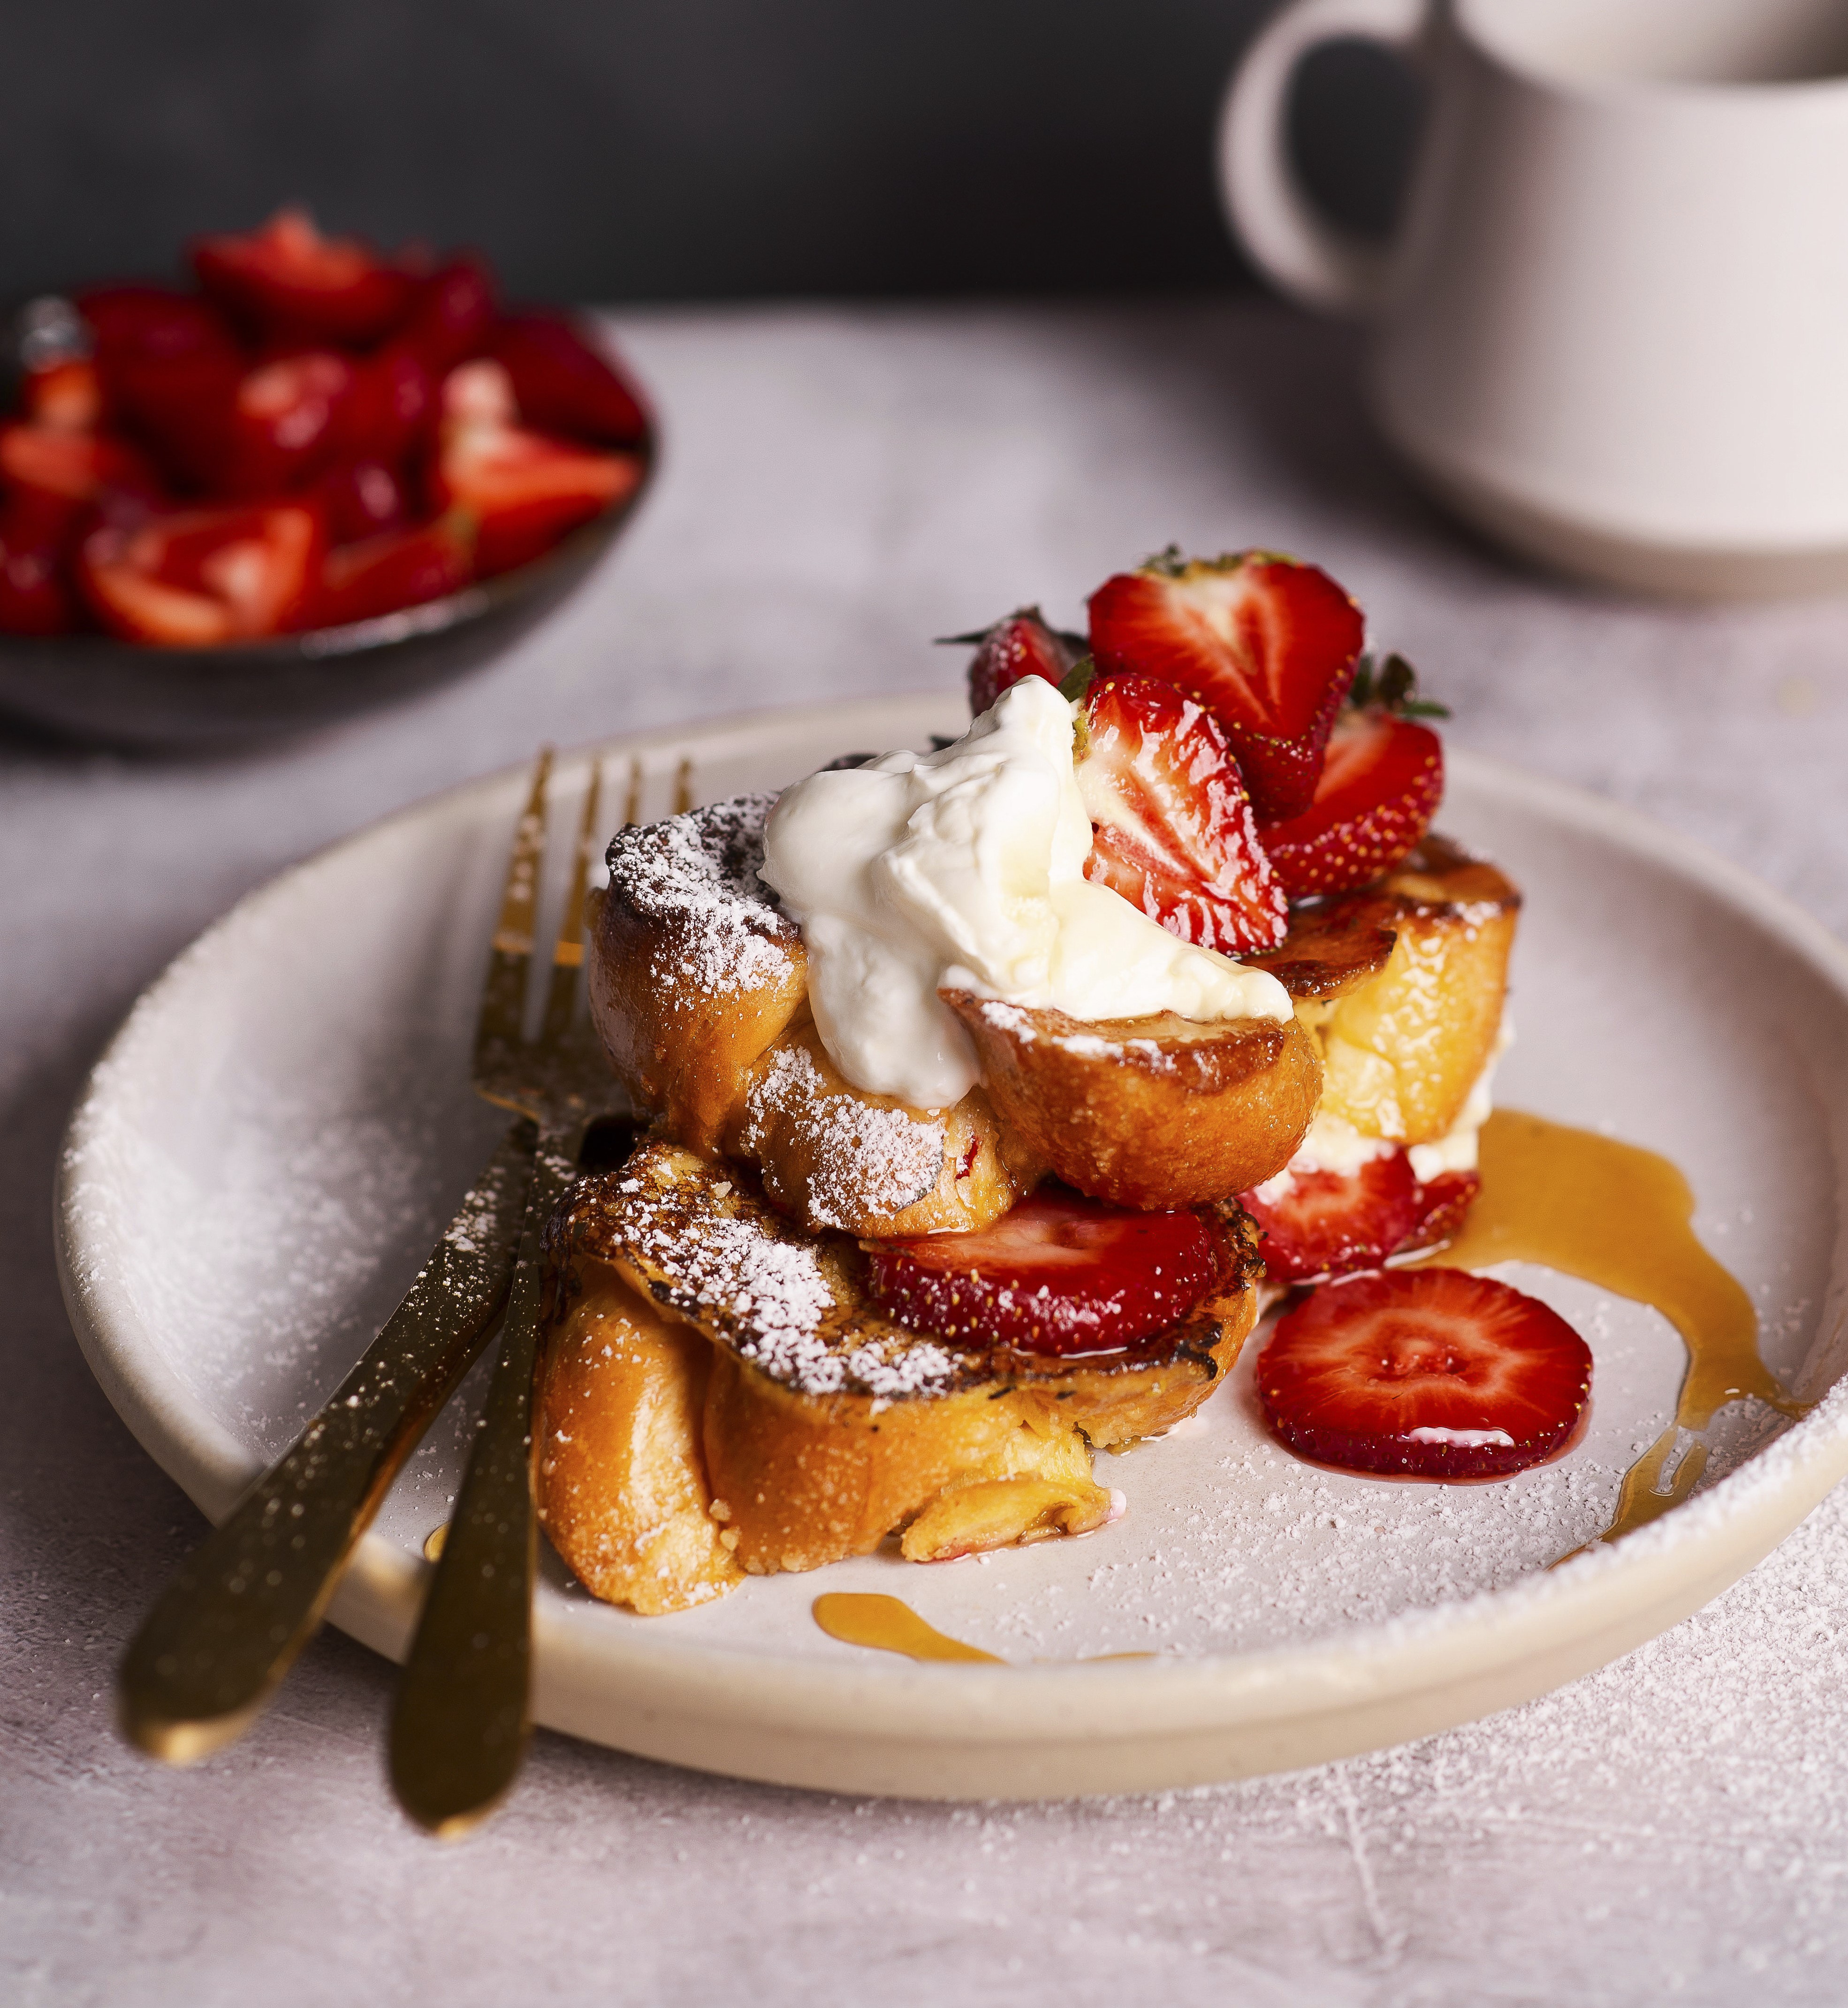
pixel 890 1626
pixel 887 1624
pixel 1619 1217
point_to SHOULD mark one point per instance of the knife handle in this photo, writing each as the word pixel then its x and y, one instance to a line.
pixel 212 1650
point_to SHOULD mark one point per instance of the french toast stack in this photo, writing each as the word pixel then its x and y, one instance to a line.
pixel 804 1317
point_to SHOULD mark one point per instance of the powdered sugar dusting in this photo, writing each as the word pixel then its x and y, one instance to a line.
pixel 695 876
pixel 865 1162
pixel 774 1294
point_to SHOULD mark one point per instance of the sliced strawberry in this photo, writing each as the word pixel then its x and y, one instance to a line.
pixel 1443 1205
pixel 1431 1372
pixel 524 490
pixel 564 385
pixel 451 316
pixel 286 280
pixel 169 369
pixel 1021 645
pixel 66 395
pixel 203 577
pixel 400 568
pixel 1268 644
pixel 285 422
pixel 391 408
pixel 34 596
pixel 1378 793
pixel 361 499
pixel 1171 829
pixel 1318 1223
pixel 53 466
pixel 1060 1274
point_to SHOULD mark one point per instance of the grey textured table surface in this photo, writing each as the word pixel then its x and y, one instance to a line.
pixel 839 486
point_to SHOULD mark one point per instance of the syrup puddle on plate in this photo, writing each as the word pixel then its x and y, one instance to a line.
pixel 889 1624
pixel 1621 1218
pixel 1614 1215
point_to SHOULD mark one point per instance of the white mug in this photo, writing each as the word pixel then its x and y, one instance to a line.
pixel 1612 327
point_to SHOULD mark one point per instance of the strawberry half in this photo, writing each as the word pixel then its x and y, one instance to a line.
pixel 288 280
pixel 1379 790
pixel 1060 1274
pixel 1267 643
pixel 1020 646
pixel 1325 1223
pixel 1172 828
pixel 397 569
pixel 1434 1373
pixel 204 577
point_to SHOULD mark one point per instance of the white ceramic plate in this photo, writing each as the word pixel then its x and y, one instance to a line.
pixel 269 1146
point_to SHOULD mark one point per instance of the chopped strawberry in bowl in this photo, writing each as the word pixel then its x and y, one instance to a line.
pixel 331 393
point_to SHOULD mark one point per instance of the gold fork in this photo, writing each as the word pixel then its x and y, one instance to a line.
pixel 462 1718
pixel 214 1647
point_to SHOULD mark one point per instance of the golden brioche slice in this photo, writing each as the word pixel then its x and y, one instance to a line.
pixel 826 1426
pixel 1406 1038
pixel 832 1156
pixel 1149 1112
pixel 694 968
pixel 622 1488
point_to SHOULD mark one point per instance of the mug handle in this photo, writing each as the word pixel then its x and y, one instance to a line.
pixel 1309 257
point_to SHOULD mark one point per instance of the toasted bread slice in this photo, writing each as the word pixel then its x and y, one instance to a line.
pixel 622 1488
pixel 827 1426
pixel 1147 1112
pixel 694 969
pixel 1404 1043
pixel 832 1156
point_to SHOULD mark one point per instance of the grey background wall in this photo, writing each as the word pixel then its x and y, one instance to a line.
pixel 664 149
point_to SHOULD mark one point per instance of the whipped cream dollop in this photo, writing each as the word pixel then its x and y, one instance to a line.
pixel 964 869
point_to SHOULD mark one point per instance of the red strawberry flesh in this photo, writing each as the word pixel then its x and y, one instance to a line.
pixel 1172 830
pixel 1020 646
pixel 1380 789
pixel 1060 1274
pixel 1268 644
pixel 1429 1373
pixel 1323 1223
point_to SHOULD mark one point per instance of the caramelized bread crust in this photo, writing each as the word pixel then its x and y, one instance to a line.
pixel 832 1156
pixel 1403 1048
pixel 825 1426
pixel 694 969
pixel 1149 1112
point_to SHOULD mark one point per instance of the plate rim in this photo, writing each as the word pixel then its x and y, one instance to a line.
pixel 1744 1515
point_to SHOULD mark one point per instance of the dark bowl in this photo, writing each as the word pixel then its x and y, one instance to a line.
pixel 95 688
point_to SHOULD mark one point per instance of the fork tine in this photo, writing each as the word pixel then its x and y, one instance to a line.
pixel 567 953
pixel 502 1017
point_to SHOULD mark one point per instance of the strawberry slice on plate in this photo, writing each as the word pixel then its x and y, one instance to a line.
pixel 1172 828
pixel 1431 1373
pixel 1060 1274
pixel 1380 789
pixel 1267 643
pixel 286 279
pixel 1020 646
pixel 1323 1223
pixel 1443 1204
pixel 203 577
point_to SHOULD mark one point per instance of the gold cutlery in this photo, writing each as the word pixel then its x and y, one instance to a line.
pixel 212 1650
pixel 462 1719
